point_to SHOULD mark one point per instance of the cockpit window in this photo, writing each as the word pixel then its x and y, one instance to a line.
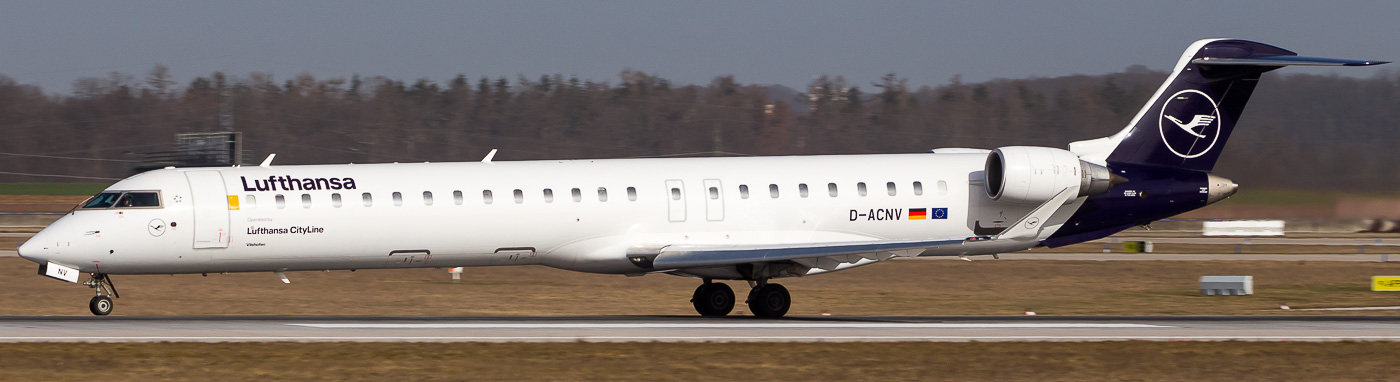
pixel 139 199
pixel 130 199
pixel 103 200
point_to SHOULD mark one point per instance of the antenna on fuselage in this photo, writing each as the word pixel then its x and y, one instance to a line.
pixel 488 157
pixel 268 162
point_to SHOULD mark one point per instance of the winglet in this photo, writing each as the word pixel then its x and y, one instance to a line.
pixel 268 162
pixel 488 157
pixel 1029 226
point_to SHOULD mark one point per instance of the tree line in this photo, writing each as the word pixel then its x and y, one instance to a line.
pixel 1300 131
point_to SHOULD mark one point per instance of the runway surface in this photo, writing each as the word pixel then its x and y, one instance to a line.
pixel 1032 255
pixel 1218 240
pixel 1132 257
pixel 694 329
pixel 1257 241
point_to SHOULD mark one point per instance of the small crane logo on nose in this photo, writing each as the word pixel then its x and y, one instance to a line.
pixel 156 227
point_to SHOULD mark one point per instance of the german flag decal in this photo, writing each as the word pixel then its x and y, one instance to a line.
pixel 918 213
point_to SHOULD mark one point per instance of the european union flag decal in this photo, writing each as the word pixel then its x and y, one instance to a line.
pixel 938 213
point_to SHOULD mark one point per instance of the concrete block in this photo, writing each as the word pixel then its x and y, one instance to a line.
pixel 1227 285
pixel 1243 228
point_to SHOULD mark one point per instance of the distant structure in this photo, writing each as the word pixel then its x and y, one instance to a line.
pixel 217 149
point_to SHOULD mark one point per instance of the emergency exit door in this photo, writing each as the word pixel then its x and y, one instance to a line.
pixel 714 200
pixel 675 200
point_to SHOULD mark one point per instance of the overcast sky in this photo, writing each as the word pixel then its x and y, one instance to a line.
pixel 51 43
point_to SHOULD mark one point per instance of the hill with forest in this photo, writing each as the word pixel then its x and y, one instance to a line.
pixel 1300 131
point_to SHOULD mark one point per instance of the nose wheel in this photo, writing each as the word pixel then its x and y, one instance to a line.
pixel 101 305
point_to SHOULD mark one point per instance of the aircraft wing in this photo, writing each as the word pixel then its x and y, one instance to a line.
pixel 1023 234
pixel 692 256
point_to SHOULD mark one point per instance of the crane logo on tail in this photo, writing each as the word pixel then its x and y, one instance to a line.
pixel 1189 123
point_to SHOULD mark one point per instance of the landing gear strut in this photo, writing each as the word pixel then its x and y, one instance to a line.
pixel 769 300
pixel 713 299
pixel 101 305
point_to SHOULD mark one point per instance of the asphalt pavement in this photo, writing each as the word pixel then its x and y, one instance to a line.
pixel 695 329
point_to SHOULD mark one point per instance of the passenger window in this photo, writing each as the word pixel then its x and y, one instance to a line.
pixel 773 191
pixel 942 188
pixel 889 187
pixel 369 200
pixel 548 195
pixel 831 189
pixel 519 196
pixel 335 200
pixel 675 193
pixel 281 202
pixel 398 199
pixel 860 188
pixel 139 200
pixel 427 198
pixel 250 202
pixel 743 191
pixel 918 188
pixel 802 189
pixel 578 195
pixel 486 196
pixel 305 200
pixel 602 194
pixel 103 200
pixel 457 197
pixel 714 192
pixel 632 194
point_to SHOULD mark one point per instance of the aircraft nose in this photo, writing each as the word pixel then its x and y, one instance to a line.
pixel 33 251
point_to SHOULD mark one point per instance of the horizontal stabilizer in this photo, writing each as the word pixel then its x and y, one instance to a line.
pixel 1285 61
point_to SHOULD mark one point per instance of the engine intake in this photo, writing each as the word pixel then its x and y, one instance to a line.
pixel 1032 175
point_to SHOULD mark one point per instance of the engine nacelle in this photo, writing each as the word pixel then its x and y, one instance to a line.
pixel 1032 175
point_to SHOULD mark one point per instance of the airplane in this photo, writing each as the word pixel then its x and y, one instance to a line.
pixel 750 219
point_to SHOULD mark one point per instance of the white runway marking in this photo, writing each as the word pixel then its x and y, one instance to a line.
pixel 691 338
pixel 838 325
pixel 1359 308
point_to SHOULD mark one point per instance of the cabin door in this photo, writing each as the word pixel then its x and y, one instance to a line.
pixel 211 205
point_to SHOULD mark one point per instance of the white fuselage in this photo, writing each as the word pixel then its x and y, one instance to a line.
pixel 518 224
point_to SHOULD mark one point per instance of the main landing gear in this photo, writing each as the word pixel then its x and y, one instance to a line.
pixel 765 300
pixel 102 305
pixel 713 299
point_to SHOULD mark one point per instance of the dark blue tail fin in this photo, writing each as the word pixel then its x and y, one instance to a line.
pixel 1189 119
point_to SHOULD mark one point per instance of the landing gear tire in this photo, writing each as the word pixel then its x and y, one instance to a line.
pixel 769 301
pixel 713 299
pixel 101 305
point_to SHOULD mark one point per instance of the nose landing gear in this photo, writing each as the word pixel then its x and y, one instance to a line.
pixel 101 305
